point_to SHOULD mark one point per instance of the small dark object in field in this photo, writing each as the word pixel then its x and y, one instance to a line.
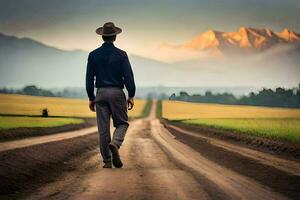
pixel 45 112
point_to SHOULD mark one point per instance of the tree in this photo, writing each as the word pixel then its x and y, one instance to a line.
pixel 172 97
pixel 31 90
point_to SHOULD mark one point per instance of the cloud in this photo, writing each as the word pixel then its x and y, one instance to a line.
pixel 278 50
pixel 176 53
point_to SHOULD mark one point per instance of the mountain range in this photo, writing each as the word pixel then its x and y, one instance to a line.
pixel 244 40
pixel 26 61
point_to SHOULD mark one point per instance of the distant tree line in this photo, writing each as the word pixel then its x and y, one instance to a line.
pixel 279 97
pixel 36 91
pixel 29 90
pixel 70 92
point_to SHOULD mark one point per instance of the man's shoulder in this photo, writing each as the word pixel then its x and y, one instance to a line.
pixel 95 51
pixel 120 51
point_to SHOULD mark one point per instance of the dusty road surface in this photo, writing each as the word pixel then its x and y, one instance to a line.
pixel 157 165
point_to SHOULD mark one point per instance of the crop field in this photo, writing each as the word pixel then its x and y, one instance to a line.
pixel 31 105
pixel 26 106
pixel 139 105
pixel 183 110
pixel 8 122
pixel 275 123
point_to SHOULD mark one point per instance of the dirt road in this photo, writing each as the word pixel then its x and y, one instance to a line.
pixel 158 166
pixel 16 144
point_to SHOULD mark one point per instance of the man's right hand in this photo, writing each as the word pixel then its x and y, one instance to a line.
pixel 130 103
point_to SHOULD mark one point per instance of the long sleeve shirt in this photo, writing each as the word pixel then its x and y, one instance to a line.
pixel 109 66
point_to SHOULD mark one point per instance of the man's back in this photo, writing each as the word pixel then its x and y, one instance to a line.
pixel 111 68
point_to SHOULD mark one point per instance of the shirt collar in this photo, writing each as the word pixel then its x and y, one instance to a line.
pixel 108 44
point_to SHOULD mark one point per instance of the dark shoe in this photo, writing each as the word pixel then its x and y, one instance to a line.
pixel 116 160
pixel 107 165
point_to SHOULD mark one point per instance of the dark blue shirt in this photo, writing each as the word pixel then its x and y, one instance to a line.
pixel 111 68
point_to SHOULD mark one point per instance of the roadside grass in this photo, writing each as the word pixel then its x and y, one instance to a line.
pixel 9 122
pixel 275 123
pixel 287 129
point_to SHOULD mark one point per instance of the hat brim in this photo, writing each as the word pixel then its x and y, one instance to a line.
pixel 99 31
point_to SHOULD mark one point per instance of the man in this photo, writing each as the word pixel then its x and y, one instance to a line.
pixel 111 68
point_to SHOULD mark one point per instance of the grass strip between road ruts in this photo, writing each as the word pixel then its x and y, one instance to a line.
pixel 159 109
pixel 147 109
pixel 284 129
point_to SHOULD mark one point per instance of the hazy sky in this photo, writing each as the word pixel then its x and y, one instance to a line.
pixel 71 24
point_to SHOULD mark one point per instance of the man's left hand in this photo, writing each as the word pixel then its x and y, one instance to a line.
pixel 130 103
pixel 92 106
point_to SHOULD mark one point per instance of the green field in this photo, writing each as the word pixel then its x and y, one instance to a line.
pixel 8 122
pixel 278 129
pixel 274 123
